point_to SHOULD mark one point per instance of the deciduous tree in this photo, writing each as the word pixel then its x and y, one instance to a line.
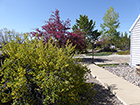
pixel 6 35
pixel 58 29
pixel 110 25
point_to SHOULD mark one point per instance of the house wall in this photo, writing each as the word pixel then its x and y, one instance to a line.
pixel 135 44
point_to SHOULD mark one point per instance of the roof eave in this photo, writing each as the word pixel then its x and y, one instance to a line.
pixel 134 23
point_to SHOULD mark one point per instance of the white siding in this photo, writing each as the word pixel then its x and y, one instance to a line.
pixel 135 44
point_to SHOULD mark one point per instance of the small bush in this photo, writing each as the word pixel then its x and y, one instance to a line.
pixel 34 74
pixel 107 49
pixel 123 52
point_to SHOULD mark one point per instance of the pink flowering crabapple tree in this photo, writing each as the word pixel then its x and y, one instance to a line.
pixel 58 30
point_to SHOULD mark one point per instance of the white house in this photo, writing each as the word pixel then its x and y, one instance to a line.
pixel 135 43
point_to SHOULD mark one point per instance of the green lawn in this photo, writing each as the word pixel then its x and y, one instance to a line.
pixel 107 65
pixel 100 54
pixel 101 65
pixel 123 52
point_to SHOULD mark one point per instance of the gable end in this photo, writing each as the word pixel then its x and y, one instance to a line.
pixel 134 23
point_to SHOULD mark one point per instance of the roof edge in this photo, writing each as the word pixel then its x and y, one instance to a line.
pixel 134 23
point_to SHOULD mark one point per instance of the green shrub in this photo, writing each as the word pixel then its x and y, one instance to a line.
pixel 34 74
pixel 123 52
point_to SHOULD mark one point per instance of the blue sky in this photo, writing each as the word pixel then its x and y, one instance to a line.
pixel 27 15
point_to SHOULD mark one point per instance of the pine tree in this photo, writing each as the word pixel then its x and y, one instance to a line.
pixel 87 26
pixel 124 42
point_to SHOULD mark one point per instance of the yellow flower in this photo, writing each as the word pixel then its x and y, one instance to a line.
pixel 13 93
pixel 66 65
pixel 20 79
pixel 17 83
pixel 37 77
pixel 50 63
pixel 8 85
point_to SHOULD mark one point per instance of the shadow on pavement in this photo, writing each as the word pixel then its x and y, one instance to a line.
pixel 103 96
pixel 89 60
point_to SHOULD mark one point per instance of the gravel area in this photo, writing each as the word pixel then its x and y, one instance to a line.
pixel 125 72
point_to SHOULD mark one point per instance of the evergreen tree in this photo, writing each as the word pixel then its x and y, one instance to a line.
pixel 124 42
pixel 87 26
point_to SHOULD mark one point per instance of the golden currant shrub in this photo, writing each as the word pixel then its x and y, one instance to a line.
pixel 36 74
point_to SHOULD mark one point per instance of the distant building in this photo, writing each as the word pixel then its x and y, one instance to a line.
pixel 97 44
pixel 112 47
pixel 135 42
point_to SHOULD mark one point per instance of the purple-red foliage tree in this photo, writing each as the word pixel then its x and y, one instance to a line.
pixel 59 31
pixel 78 39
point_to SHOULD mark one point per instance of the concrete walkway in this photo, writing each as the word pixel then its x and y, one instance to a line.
pixel 128 93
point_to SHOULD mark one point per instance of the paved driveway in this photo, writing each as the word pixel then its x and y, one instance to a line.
pixel 111 59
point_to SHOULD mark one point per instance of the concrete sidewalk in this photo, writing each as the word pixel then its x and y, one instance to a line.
pixel 128 93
